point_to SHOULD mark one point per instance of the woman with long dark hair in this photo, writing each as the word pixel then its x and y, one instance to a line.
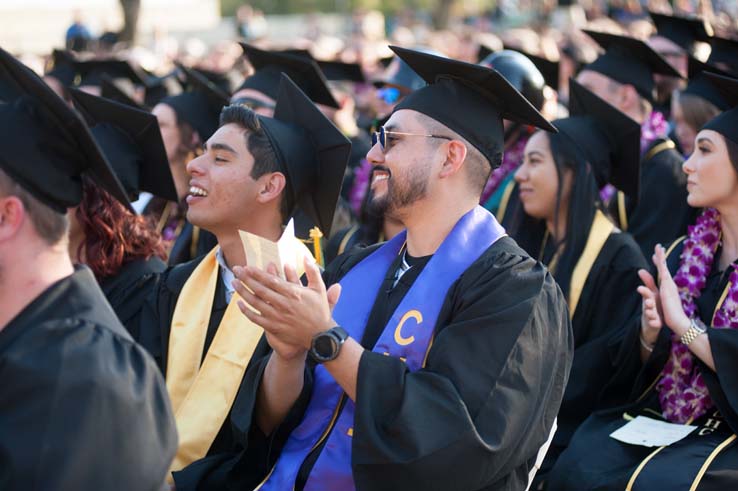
pixel 123 250
pixel 680 358
pixel 561 220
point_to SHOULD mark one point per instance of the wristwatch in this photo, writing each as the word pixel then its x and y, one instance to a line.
pixel 695 329
pixel 327 344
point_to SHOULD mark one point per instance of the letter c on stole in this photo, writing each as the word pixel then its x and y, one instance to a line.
pixel 411 314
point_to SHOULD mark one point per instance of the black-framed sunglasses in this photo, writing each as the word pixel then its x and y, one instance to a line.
pixel 381 137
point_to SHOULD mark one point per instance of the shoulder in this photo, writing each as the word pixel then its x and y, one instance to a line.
pixel 622 252
pixel 341 265
pixel 175 277
pixel 663 153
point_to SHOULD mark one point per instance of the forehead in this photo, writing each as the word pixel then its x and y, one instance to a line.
pixel 538 142
pixel 232 135
pixel 590 78
pixel 404 120
pixel 711 135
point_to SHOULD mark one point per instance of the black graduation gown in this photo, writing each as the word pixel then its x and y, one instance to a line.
pixel 662 212
pixel 473 419
pixel 184 250
pixel 127 290
pixel 613 464
pixel 155 323
pixel 609 300
pixel 82 407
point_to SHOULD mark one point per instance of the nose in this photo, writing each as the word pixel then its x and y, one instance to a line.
pixel 196 167
pixel 375 156
pixel 520 174
pixel 688 165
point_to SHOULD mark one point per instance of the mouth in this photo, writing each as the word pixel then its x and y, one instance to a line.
pixel 524 191
pixel 198 191
pixel 380 174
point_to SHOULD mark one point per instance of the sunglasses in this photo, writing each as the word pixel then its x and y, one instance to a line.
pixel 385 143
pixel 390 95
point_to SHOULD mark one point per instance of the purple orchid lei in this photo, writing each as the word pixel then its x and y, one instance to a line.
pixel 360 186
pixel 511 160
pixel 682 390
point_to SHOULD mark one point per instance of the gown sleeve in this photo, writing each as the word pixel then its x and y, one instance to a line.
pixel 101 417
pixel 487 398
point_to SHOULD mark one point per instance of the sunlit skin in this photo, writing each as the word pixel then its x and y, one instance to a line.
pixel 676 57
pixel 685 133
pixel 621 96
pixel 712 182
pixel 538 184
pixel 172 139
pixel 233 199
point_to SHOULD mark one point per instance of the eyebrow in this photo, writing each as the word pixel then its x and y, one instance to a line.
pixel 221 146
pixel 704 140
pixel 534 152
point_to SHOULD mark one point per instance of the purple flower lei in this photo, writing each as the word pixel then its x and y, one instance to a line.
pixel 682 390
pixel 511 160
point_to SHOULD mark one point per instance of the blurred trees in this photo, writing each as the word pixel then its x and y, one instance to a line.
pixel 131 9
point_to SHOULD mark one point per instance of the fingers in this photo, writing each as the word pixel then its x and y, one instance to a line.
pixel 645 292
pixel 659 260
pixel 334 292
pixel 647 280
pixel 291 275
pixel 271 281
pixel 315 280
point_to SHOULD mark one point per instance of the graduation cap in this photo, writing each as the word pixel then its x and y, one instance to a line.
pixel 338 71
pixel 521 72
pixel 200 104
pixel 312 151
pixel 682 31
pixel 548 68
pixel 724 54
pixel 629 61
pixel 269 65
pixel 700 84
pixel 131 141
pixel 725 123
pixel 469 99
pixel 92 71
pixel 483 52
pixel 158 88
pixel 109 89
pixel 399 74
pixel 62 67
pixel 223 80
pixel 607 138
pixel 47 146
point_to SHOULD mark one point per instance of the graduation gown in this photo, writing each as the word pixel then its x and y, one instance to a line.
pixel 192 242
pixel 473 419
pixel 662 213
pixel 608 301
pixel 82 406
pixel 155 323
pixel 127 290
pixel 705 460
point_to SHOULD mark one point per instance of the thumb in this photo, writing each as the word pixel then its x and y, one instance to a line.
pixel 334 293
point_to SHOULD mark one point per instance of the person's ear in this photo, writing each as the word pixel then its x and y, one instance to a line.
pixel 12 213
pixel 271 186
pixel 456 152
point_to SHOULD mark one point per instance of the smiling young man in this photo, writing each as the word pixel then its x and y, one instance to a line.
pixel 436 361
pixel 254 173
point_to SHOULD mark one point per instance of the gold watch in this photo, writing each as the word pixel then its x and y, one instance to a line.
pixel 695 329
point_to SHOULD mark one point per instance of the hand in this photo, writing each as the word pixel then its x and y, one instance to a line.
pixel 671 304
pixel 651 308
pixel 289 312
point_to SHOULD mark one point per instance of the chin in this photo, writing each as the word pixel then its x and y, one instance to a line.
pixel 696 201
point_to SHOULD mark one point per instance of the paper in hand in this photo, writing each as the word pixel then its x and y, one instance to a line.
pixel 260 251
pixel 649 432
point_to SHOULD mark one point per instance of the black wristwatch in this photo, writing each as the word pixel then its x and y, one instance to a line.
pixel 327 344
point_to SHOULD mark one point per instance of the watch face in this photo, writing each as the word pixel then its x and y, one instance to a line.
pixel 325 346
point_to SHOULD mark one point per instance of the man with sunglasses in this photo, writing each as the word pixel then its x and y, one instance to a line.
pixel 435 361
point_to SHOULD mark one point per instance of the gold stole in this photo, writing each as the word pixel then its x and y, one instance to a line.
pixel 601 229
pixel 202 395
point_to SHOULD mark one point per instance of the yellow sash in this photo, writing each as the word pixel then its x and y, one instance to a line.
pixel 601 229
pixel 202 395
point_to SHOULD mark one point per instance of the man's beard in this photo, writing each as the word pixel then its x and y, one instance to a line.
pixel 402 191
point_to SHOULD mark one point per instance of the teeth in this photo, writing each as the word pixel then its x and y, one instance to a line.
pixel 196 191
pixel 380 177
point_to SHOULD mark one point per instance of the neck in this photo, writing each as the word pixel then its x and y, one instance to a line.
pixel 27 275
pixel 230 241
pixel 729 227
pixel 431 220
pixel 557 228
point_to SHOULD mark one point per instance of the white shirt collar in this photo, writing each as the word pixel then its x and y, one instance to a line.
pixel 226 274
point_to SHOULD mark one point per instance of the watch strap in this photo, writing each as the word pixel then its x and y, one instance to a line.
pixel 694 330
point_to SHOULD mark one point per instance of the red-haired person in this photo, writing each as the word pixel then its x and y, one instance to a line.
pixel 123 250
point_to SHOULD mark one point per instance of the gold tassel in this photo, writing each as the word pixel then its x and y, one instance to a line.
pixel 316 235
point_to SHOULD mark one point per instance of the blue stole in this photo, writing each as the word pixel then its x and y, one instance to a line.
pixel 407 336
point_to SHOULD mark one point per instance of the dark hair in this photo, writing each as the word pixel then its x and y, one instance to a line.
pixel 50 225
pixel 732 152
pixel 584 201
pixel 113 236
pixel 258 144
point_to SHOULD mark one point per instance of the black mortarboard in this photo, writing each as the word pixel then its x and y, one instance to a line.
pixel 469 99
pixel 607 138
pixel 225 81
pixel 549 69
pixel 385 62
pixel 483 52
pixel 269 65
pixel 158 88
pixel 701 86
pixel 682 31
pixel 312 151
pixel 92 71
pixel 47 146
pixel 629 61
pixel 110 89
pixel 131 141
pixel 200 104
pixel 724 54
pixel 725 123
pixel 62 67
pixel 338 71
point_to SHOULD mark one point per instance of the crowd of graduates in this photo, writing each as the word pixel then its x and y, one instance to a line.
pixel 500 250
